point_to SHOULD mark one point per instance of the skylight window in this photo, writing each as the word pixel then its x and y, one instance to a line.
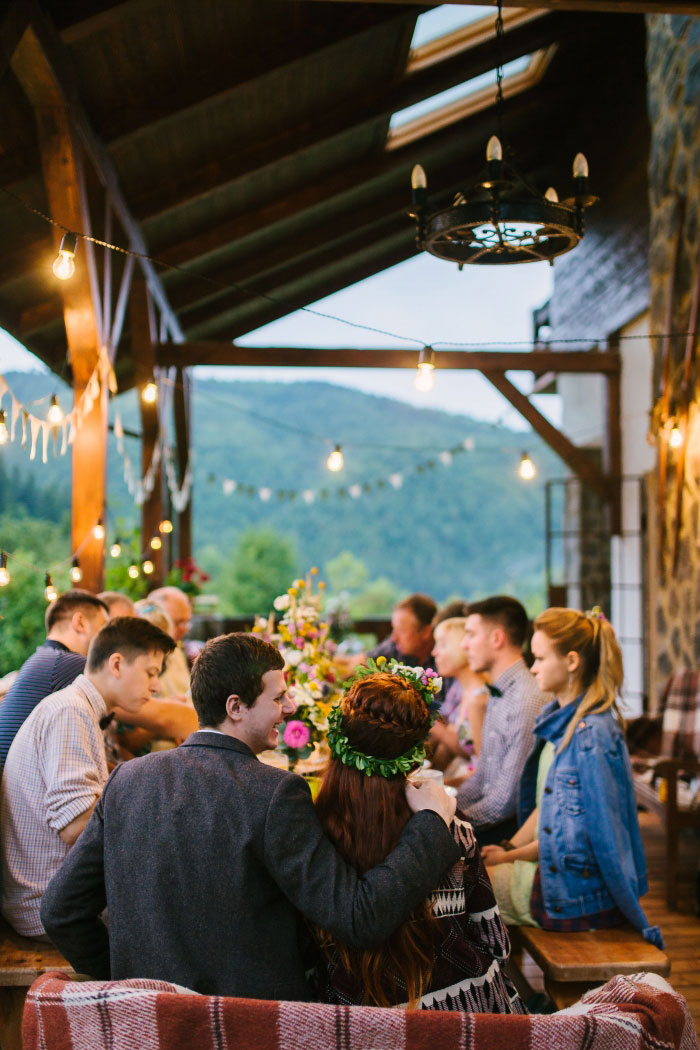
pixel 445 19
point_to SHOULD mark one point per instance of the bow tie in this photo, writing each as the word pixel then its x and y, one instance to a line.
pixel 105 720
pixel 493 690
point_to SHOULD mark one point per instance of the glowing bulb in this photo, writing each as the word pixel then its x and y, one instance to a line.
pixel 4 433
pixel 551 195
pixel 116 549
pixel 580 166
pixel 419 180
pixel 335 461
pixel 148 567
pixel 64 263
pixel 4 574
pixel 156 543
pixel 49 591
pixel 425 378
pixel 55 415
pixel 494 150
pixel 99 530
pixel 149 394
pixel 76 573
pixel 676 438
pixel 527 468
pixel 165 526
pixel 133 571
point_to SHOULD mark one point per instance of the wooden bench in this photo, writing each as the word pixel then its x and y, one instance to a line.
pixel 22 960
pixel 574 962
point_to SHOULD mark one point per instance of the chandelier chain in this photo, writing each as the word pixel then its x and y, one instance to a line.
pixel 499 70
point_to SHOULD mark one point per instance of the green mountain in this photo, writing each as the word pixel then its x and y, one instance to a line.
pixel 468 527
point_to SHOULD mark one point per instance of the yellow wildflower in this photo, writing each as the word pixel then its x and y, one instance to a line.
pixel 380 661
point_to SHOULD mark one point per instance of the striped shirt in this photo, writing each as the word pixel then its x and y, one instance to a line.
pixel 55 771
pixel 491 794
pixel 50 668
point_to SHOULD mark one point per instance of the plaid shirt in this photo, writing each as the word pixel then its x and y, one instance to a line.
pixel 681 721
pixel 55 770
pixel 490 795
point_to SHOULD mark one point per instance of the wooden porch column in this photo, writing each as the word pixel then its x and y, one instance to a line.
pixel 63 176
pixel 142 349
pixel 182 408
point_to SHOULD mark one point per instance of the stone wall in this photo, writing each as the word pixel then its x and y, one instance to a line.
pixel 673 69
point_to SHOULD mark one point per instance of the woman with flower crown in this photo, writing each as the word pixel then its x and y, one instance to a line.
pixel 577 861
pixel 449 953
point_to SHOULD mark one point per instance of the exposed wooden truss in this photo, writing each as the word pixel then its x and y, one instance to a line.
pixel 641 7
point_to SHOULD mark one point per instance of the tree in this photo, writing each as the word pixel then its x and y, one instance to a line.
pixel 346 573
pixel 262 567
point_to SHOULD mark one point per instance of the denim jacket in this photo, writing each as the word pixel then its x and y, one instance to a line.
pixel 591 854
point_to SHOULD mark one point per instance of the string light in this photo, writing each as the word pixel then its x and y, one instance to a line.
pixel 99 531
pixel 335 461
pixel 425 376
pixel 4 434
pixel 4 574
pixel 676 438
pixel 149 394
pixel 133 572
pixel 55 414
pixel 156 543
pixel 116 548
pixel 166 525
pixel 148 567
pixel 76 573
pixel 64 263
pixel 50 592
pixel 526 469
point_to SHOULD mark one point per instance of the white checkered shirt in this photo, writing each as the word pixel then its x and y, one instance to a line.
pixel 55 770
pixel 491 794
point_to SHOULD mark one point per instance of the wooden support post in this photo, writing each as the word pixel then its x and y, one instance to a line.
pixel 182 408
pixel 612 450
pixel 142 344
pixel 577 459
pixel 63 176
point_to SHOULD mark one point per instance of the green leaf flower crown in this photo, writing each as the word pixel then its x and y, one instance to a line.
pixel 425 681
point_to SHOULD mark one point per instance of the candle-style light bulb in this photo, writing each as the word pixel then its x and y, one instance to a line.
pixel 55 414
pixel 335 461
pixel 527 468
pixel 64 264
pixel 494 150
pixel 419 179
pixel 580 167
pixel 4 574
pixel 4 432
pixel 550 194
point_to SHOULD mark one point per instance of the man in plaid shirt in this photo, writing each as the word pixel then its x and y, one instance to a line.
pixel 495 632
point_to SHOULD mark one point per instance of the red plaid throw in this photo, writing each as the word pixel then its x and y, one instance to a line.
pixel 681 722
pixel 627 1014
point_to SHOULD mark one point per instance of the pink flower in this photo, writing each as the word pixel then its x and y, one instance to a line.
pixel 296 734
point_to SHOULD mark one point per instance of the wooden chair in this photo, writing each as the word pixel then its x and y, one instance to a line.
pixel 22 960
pixel 657 777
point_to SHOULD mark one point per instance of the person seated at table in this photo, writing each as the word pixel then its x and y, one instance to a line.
pixel 577 862
pixel 175 680
pixel 456 733
pixel 118 604
pixel 411 639
pixel 448 954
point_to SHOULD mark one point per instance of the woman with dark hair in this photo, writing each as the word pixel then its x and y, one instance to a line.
pixel 448 954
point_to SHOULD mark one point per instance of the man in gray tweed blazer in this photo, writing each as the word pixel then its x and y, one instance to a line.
pixel 205 857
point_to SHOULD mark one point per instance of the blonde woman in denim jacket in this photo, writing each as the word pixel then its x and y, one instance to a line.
pixel 577 862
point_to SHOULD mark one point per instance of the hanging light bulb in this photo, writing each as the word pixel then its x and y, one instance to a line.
pixel 64 263
pixel 55 414
pixel 166 525
pixel 133 572
pixel 116 548
pixel 675 438
pixel 49 590
pixel 149 394
pixel 156 543
pixel 550 194
pixel 76 573
pixel 335 461
pixel 147 567
pixel 526 469
pixel 99 530
pixel 4 433
pixel 4 574
pixel 425 376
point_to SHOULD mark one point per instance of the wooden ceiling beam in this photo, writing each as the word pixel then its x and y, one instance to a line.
pixel 186 355
pixel 640 7
pixel 354 114
pixel 12 25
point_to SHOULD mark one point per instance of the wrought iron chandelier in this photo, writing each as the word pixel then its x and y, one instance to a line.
pixel 500 218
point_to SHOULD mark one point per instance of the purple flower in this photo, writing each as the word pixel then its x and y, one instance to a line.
pixel 430 673
pixel 296 734
pixel 424 680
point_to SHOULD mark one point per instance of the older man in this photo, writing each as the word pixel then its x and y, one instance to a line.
pixel 175 680
pixel 411 640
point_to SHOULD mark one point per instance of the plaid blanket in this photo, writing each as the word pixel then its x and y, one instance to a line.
pixel 680 703
pixel 628 1013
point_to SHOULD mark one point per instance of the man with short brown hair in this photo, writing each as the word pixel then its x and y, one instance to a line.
pixel 411 640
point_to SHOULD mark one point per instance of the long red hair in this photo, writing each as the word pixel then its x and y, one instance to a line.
pixel 382 715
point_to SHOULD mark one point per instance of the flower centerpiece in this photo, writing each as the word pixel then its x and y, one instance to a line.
pixel 188 576
pixel 302 637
